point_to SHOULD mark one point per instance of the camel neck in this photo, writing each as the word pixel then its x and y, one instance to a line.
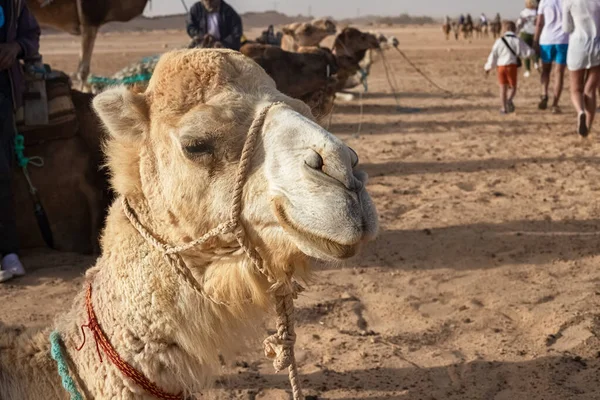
pixel 153 320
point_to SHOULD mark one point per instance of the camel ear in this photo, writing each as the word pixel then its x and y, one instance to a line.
pixel 287 31
pixel 125 113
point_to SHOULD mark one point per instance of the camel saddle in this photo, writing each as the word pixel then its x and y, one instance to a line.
pixel 61 121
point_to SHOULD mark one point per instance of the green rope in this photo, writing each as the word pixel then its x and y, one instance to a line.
pixel 129 80
pixel 20 150
pixel 63 369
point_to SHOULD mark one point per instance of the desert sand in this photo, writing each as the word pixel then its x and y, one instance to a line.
pixel 484 282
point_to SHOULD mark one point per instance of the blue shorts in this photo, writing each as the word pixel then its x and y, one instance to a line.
pixel 554 53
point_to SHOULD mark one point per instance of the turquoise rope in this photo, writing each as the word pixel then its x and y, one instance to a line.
pixel 20 150
pixel 364 75
pixel 63 369
pixel 127 81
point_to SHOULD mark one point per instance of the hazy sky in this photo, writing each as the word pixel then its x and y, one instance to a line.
pixel 350 8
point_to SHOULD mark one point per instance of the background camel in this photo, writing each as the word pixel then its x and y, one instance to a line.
pixel 172 152
pixel 307 75
pixel 72 163
pixel 350 48
pixel 84 18
pixel 301 34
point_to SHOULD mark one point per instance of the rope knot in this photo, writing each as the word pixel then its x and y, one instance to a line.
pixel 278 349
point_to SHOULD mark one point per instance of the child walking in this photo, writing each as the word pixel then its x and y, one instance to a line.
pixel 506 56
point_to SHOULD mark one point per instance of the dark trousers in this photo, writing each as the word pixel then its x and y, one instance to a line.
pixel 8 227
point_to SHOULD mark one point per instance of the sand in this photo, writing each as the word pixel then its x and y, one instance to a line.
pixel 484 282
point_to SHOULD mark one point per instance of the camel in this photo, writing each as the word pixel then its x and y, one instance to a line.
pixel 72 187
pixel 456 28
pixel 307 75
pixel 84 18
pixel 306 34
pixel 350 48
pixel 447 28
pixel 467 27
pixel 496 26
pixel 173 154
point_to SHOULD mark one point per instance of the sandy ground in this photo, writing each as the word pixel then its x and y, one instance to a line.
pixel 484 283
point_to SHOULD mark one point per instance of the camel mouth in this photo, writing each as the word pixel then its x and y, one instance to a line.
pixel 310 243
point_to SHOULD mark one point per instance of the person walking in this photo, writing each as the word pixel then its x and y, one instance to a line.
pixel 526 27
pixel 506 55
pixel 216 21
pixel 581 18
pixel 551 43
pixel 19 39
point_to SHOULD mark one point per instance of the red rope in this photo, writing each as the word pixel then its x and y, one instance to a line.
pixel 114 357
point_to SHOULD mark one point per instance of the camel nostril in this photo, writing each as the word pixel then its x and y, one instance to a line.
pixel 314 161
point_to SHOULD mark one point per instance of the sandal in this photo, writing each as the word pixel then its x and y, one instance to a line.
pixel 543 104
pixel 556 110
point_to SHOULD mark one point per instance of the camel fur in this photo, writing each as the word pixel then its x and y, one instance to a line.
pixel 173 151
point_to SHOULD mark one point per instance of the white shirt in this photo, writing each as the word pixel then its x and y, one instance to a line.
pixel 581 18
pixel 213 25
pixel 552 32
pixel 502 56
pixel 526 21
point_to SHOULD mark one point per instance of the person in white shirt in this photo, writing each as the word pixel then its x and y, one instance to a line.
pixel 552 44
pixel 505 56
pixel 526 27
pixel 581 18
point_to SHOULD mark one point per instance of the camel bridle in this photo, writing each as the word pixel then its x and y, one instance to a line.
pixel 279 346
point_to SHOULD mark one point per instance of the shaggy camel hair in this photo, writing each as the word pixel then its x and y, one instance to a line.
pixel 173 152
pixel 301 34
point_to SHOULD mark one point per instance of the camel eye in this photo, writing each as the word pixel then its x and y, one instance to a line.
pixel 196 147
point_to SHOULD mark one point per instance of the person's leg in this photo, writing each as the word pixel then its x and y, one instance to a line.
pixel 577 79
pixel 503 97
pixel 560 66
pixel 527 38
pixel 546 56
pixel 8 227
pixel 545 81
pixel 591 85
pixel 559 80
pixel 577 85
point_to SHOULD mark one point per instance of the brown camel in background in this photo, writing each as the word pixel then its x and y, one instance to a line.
pixel 84 18
pixel 307 75
pixel 350 48
pixel 71 184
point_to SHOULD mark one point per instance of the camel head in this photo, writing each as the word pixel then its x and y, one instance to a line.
pixel 325 25
pixel 174 151
pixel 352 42
pixel 310 33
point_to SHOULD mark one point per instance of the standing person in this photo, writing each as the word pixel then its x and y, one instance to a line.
pixel 19 39
pixel 581 18
pixel 461 20
pixel 526 27
pixel 552 44
pixel 216 19
pixel 505 56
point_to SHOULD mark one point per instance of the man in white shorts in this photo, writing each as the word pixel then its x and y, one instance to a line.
pixel 552 44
